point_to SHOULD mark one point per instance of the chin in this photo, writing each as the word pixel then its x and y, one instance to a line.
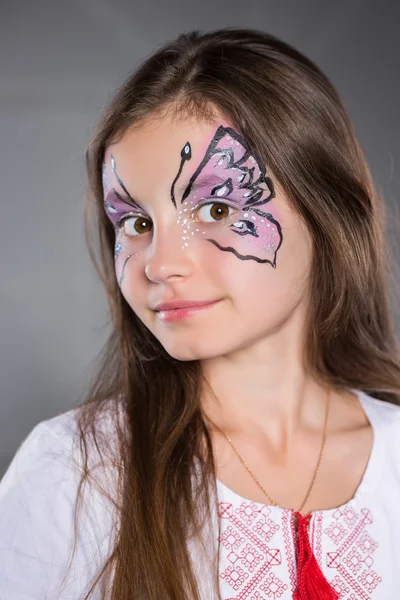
pixel 184 354
pixel 201 350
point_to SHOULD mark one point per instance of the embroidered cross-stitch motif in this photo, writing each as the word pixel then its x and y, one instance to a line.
pixel 353 560
pixel 257 552
pixel 247 553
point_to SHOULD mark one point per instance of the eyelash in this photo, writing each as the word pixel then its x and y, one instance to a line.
pixel 196 210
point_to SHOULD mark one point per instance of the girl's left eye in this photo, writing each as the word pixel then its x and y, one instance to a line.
pixel 213 211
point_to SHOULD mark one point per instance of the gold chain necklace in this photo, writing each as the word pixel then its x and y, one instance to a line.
pixel 316 469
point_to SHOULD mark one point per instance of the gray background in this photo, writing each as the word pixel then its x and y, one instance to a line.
pixel 59 64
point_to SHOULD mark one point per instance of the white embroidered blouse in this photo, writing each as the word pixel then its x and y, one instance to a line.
pixel 356 545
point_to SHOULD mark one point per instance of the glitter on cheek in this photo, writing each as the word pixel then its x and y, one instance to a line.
pixel 185 218
pixel 118 248
pixel 270 235
pixel 271 242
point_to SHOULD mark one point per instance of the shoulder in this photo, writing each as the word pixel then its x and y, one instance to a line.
pixel 52 452
pixel 43 451
pixel 38 498
pixel 382 411
pixel 384 417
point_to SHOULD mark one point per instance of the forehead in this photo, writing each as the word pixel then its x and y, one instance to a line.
pixel 164 134
pixel 151 153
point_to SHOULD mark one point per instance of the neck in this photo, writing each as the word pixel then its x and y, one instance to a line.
pixel 263 391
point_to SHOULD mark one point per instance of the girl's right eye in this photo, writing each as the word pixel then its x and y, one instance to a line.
pixel 132 226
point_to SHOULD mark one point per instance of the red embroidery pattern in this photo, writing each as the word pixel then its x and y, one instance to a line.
pixel 246 533
pixel 353 560
pixel 252 561
pixel 289 532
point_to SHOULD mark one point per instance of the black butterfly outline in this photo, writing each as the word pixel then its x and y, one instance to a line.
pixel 254 197
pixel 111 210
pixel 255 194
pixel 129 201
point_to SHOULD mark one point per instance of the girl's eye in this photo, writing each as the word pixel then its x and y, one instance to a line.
pixel 214 211
pixel 136 225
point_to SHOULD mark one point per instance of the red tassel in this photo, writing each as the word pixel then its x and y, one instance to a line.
pixel 311 583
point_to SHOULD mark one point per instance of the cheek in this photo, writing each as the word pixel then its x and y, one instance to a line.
pixel 249 234
pixel 262 298
pixel 129 270
pixel 259 292
pixel 125 252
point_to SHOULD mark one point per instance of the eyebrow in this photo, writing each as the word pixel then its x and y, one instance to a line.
pixel 210 179
pixel 112 194
pixel 206 180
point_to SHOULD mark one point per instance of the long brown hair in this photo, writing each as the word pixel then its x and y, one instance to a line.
pixel 292 117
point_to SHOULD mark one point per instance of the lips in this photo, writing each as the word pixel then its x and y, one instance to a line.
pixel 182 313
pixel 176 305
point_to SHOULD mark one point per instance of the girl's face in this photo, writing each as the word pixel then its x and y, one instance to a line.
pixel 208 252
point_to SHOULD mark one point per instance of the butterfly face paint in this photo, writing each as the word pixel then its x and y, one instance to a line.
pixel 132 226
pixel 223 202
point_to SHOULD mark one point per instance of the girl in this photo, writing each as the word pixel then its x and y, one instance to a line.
pixel 241 436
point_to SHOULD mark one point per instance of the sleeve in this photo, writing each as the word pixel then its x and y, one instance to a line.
pixel 37 502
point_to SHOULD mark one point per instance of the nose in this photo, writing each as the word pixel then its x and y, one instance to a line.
pixel 169 258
